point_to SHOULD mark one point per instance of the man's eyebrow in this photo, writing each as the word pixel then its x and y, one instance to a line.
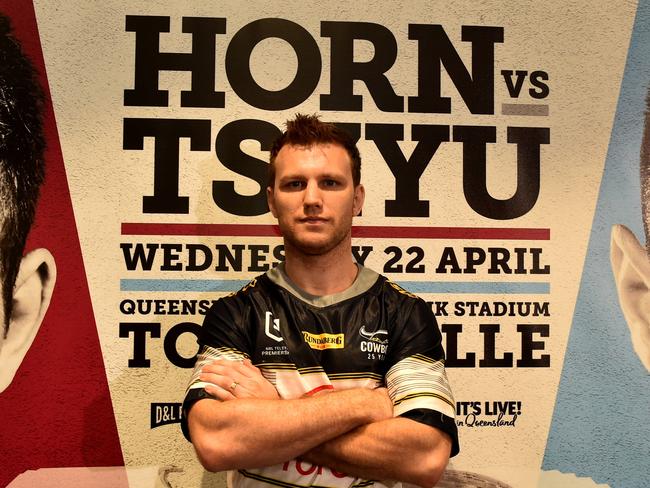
pixel 300 176
pixel 333 175
pixel 292 176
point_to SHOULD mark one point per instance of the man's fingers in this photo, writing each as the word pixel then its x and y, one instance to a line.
pixel 226 382
pixel 235 369
pixel 247 369
pixel 227 370
pixel 241 379
pixel 246 363
pixel 219 393
pixel 232 388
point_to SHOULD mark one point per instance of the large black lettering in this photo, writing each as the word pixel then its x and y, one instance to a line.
pixel 138 256
pixel 149 61
pixel 232 157
pixel 140 331
pixel 344 70
pixel 166 133
pixel 360 253
pixel 537 79
pixel 514 89
pixel 352 129
pixel 227 260
pixel 436 50
pixel 452 331
pixel 199 257
pixel 407 174
pixel 239 72
pixel 475 140
pixel 528 345
pixel 489 359
pixel 449 260
pixel 171 338
pixel 171 257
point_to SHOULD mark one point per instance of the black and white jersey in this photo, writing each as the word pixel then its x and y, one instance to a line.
pixel 372 334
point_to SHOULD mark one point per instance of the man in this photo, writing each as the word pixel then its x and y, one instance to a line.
pixel 26 282
pixel 630 262
pixel 350 384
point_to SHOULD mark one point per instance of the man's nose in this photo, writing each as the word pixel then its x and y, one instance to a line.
pixel 313 196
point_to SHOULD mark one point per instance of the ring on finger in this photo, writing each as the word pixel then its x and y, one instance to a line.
pixel 233 386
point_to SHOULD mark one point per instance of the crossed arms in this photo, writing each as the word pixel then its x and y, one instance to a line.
pixel 351 431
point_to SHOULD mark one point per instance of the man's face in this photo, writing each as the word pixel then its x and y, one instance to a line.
pixel 314 197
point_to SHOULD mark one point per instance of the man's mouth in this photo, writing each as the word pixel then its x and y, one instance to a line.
pixel 313 220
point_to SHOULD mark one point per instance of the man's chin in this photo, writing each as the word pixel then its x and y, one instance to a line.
pixel 313 247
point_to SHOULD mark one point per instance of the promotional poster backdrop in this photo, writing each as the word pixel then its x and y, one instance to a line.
pixel 57 411
pixel 499 145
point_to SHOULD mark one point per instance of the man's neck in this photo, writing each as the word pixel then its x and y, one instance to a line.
pixel 321 275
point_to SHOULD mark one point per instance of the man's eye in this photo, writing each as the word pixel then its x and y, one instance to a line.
pixel 293 185
pixel 330 183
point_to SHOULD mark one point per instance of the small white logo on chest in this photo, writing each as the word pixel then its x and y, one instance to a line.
pixel 272 327
pixel 376 343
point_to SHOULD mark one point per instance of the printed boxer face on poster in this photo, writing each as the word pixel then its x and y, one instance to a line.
pixel 31 297
pixel 26 282
pixel 631 261
pixel 631 268
pixel 314 197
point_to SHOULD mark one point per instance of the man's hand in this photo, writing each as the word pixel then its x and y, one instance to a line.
pixel 230 380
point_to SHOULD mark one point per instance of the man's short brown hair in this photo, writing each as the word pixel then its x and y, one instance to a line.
pixel 307 130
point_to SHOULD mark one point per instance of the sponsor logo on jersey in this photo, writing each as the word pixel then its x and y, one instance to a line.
pixel 324 341
pixel 376 341
pixel 272 327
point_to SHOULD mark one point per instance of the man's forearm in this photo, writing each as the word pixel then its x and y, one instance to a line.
pixel 250 433
pixel 396 449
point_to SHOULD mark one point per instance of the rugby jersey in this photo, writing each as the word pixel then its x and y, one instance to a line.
pixel 372 334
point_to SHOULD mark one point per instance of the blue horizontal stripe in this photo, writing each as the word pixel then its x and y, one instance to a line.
pixel 182 285
pixel 412 286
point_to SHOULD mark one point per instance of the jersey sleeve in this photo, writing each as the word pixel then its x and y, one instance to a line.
pixel 417 382
pixel 222 337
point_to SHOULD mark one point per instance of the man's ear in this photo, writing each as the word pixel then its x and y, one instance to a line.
pixel 631 268
pixel 269 201
pixel 31 298
pixel 359 198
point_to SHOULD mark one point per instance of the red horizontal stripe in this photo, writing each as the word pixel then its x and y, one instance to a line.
pixel 266 230
pixel 201 229
pixel 452 232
